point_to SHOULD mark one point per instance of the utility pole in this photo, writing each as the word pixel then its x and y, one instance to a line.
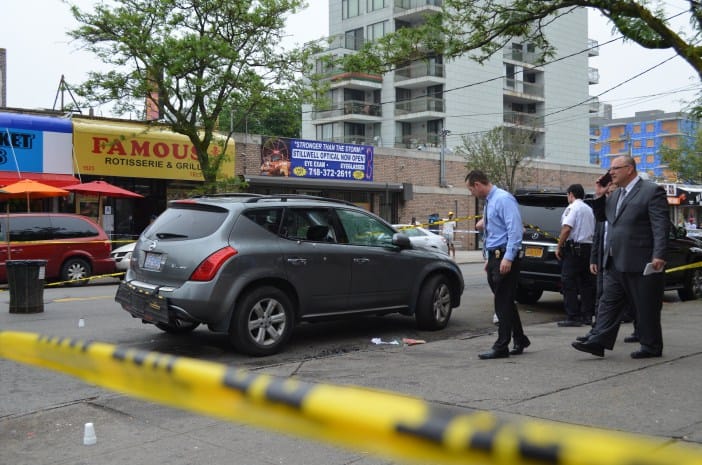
pixel 442 160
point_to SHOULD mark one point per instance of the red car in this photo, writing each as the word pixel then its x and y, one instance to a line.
pixel 74 246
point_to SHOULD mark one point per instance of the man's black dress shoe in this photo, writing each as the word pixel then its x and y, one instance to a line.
pixel 589 347
pixel 519 348
pixel 644 354
pixel 632 338
pixel 570 324
pixel 582 338
pixel 494 354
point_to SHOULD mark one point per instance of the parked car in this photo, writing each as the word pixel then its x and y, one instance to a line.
pixel 540 270
pixel 74 246
pixel 122 255
pixel 422 238
pixel 255 266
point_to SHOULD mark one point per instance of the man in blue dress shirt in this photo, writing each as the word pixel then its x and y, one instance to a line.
pixel 503 241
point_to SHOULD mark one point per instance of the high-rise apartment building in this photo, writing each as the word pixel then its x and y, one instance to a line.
pixel 643 137
pixel 411 106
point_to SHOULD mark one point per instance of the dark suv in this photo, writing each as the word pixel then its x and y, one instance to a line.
pixel 540 270
pixel 254 266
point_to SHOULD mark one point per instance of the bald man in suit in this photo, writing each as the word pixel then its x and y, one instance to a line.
pixel 637 234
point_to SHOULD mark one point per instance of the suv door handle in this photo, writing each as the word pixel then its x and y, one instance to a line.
pixel 297 261
pixel 361 260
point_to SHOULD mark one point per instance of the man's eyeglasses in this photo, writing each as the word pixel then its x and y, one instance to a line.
pixel 615 168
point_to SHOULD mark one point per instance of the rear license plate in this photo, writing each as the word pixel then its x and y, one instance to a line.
pixel 534 252
pixel 152 261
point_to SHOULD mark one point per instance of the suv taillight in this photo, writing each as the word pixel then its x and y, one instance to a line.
pixel 209 267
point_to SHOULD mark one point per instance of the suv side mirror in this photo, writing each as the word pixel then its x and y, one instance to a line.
pixel 401 240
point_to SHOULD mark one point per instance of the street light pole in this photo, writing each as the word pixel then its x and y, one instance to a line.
pixel 442 159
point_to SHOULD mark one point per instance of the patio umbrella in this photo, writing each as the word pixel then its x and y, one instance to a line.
pixel 101 188
pixel 28 189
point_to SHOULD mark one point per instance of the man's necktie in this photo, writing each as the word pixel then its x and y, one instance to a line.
pixel 620 200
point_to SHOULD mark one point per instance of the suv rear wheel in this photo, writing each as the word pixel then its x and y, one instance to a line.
pixel 693 286
pixel 262 322
pixel 434 304
pixel 528 296
pixel 75 269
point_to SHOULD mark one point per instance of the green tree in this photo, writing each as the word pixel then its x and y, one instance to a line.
pixel 500 153
pixel 280 115
pixel 202 58
pixel 686 160
pixel 483 27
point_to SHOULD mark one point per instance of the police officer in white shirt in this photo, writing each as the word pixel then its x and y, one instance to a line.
pixel 574 246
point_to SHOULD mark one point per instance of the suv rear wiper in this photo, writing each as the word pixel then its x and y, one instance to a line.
pixel 171 236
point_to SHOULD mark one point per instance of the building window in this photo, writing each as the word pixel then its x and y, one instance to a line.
pixel 350 8
pixel 325 132
pixel 354 39
pixel 376 31
pixel 373 5
pixel 649 143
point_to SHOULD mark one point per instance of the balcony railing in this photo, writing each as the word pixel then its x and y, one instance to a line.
pixel 419 70
pixel 401 5
pixel 418 141
pixel 593 75
pixel 350 107
pixel 523 87
pixel 593 48
pixel 523 56
pixel 418 105
pixel 519 118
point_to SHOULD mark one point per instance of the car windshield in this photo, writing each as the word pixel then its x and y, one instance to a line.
pixel 541 218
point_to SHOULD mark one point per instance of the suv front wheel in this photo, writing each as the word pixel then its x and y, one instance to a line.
pixel 434 305
pixel 262 321
pixel 528 296
pixel 693 286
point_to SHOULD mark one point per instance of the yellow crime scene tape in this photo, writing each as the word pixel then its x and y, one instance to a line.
pixel 383 423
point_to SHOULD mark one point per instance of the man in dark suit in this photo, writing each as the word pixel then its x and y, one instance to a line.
pixel 637 234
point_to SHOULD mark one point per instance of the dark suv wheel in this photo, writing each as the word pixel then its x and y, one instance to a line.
pixel 693 286
pixel 434 305
pixel 528 296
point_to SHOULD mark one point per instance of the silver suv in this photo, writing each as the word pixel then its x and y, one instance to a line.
pixel 254 266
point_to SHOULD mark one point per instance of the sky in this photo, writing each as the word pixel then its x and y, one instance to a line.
pixel 39 52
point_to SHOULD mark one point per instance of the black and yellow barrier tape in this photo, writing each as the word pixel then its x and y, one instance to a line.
pixel 383 423
pixel 689 266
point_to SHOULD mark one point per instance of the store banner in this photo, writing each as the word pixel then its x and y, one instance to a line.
pixel 35 144
pixel 316 159
pixel 142 151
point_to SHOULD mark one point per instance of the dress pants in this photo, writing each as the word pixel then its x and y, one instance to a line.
pixel 646 294
pixel 504 289
pixel 579 285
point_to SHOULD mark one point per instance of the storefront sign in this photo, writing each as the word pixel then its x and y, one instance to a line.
pixel 142 151
pixel 35 144
pixel 316 159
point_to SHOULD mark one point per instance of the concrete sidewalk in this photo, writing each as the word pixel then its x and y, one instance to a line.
pixel 550 381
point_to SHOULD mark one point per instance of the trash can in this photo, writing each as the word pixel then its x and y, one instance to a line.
pixel 25 279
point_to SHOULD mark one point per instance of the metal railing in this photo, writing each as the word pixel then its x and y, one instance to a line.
pixel 418 105
pixel 523 87
pixel 418 70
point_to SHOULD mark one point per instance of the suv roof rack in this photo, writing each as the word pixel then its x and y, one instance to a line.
pixel 286 197
pixel 226 194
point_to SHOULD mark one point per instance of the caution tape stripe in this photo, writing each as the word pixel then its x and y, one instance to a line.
pixel 384 423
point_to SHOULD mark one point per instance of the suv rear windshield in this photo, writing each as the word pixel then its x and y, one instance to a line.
pixel 187 221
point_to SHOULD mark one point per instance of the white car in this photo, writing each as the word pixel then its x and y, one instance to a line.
pixel 422 238
pixel 122 256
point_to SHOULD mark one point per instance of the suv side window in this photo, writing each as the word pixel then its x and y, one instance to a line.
pixel 362 229
pixel 308 224
pixel 66 227
pixel 30 228
pixel 267 218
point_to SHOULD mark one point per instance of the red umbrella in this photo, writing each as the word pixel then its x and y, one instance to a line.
pixel 102 188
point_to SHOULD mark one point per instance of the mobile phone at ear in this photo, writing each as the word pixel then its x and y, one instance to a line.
pixel 605 180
